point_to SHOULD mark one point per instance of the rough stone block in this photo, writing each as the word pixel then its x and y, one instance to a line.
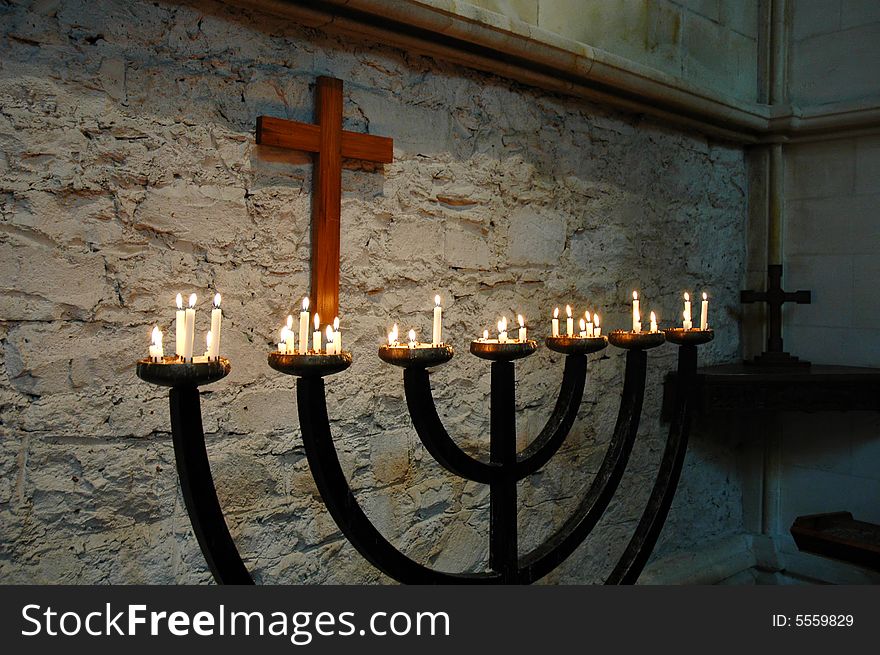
pixel 535 237
pixel 465 246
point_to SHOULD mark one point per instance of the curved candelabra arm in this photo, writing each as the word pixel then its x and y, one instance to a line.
pixel 545 445
pixel 199 493
pixel 564 541
pixel 343 506
pixel 645 538
pixel 437 441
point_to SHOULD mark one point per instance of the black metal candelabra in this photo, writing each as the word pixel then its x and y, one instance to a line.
pixel 501 472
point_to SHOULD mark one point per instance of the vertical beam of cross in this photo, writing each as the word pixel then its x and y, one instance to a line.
pixel 327 199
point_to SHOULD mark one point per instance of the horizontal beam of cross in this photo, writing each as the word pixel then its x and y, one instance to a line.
pixel 294 135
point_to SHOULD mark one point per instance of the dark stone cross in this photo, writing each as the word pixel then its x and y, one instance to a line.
pixel 330 144
pixel 775 297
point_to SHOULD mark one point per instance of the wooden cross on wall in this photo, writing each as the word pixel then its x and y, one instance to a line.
pixel 330 145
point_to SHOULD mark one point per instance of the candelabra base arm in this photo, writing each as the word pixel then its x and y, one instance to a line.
pixel 639 549
pixel 199 493
pixel 429 427
pixel 549 440
pixel 564 541
pixel 343 506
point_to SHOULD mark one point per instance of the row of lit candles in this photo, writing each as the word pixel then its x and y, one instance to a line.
pixel 185 329
pixel 293 343
pixel 287 345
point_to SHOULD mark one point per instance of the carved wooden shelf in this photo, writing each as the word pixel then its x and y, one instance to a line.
pixel 839 536
pixel 740 387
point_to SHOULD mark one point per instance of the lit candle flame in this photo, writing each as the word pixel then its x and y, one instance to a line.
pixel 596 320
pixel 568 310
pixel 289 321
pixel 687 296
pixel 336 324
pixel 329 333
pixel 284 332
pixel 705 296
pixel 216 300
pixel 179 301
pixel 653 317
pixel 486 334
pixel 306 304
pixel 522 321
pixel 437 300
pixel 156 336
pixel 192 300
pixel 412 336
pixel 583 325
pixel 500 326
pixel 317 322
pixel 556 313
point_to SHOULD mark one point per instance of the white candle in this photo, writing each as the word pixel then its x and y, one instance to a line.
pixel 583 325
pixel 216 317
pixel 555 324
pixel 704 312
pixel 637 317
pixel 304 327
pixel 190 329
pixel 156 350
pixel 337 337
pixel 653 322
pixel 687 324
pixel 522 327
pixel 289 335
pixel 331 341
pixel 597 331
pixel 412 339
pixel 282 345
pixel 180 327
pixel 438 322
pixel 209 342
pixel 569 323
pixel 316 335
pixel 589 322
pixel 502 330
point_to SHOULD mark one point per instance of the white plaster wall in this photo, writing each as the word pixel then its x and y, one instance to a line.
pixel 834 51
pixel 128 172
pixel 831 461
pixel 710 43
pixel 832 246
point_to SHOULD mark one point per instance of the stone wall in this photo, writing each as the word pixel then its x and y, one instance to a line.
pixel 128 173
